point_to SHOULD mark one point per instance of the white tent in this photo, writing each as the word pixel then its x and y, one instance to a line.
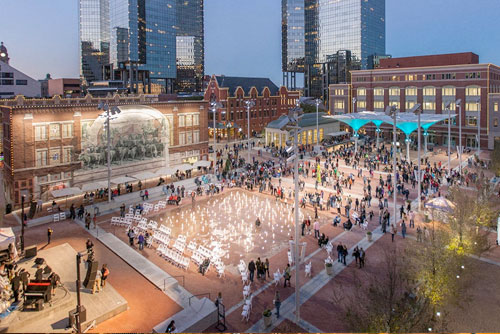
pixel 441 204
pixel 8 237
pixel 165 171
pixel 184 167
pixel 94 185
pixel 66 192
pixel 144 176
pixel 202 163
pixel 122 179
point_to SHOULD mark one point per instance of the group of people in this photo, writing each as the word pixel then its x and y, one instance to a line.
pixel 262 268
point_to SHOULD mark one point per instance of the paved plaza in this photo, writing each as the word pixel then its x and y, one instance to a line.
pixel 156 289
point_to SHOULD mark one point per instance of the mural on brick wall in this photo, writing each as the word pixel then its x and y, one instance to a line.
pixel 138 133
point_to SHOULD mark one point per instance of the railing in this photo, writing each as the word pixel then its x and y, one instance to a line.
pixel 173 277
pixel 201 294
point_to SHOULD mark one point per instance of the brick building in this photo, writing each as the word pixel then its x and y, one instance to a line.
pixel 270 103
pixel 432 81
pixel 56 143
pixel 64 87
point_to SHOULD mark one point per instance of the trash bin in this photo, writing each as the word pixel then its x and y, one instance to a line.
pixel 8 208
pixel 72 316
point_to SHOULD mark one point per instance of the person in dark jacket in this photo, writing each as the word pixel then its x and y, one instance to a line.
pixel 251 269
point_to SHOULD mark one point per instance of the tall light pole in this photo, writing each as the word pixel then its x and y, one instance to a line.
pixel 250 104
pixel 417 110
pixel 478 128
pixel 459 104
pixel 293 125
pixel 392 111
pixel 23 197
pixel 213 108
pixel 318 101
pixel 109 113
pixel 449 136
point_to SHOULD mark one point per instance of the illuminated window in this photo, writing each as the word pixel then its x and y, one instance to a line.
pixel 452 107
pixel 429 106
pixel 411 91
pixel 394 91
pixel 182 121
pixel 473 91
pixel 361 91
pixel 41 132
pixel 471 121
pixel 495 106
pixel 378 91
pixel 396 104
pixel 378 105
pixel 495 122
pixel 361 105
pixel 55 131
pixel 196 120
pixel 448 91
pixel 67 130
pixel 471 106
pixel 189 120
pixel 409 104
pixel 339 105
pixel 429 91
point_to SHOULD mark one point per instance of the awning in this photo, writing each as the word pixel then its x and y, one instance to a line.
pixel 165 171
pixel 144 176
pixel 66 192
pixel 122 179
pixel 94 185
pixel 337 134
pixel 202 163
pixel 440 203
pixel 183 167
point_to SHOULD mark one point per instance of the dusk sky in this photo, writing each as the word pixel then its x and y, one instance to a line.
pixel 243 37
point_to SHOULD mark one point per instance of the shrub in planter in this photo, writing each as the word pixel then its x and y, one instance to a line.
pixel 267 313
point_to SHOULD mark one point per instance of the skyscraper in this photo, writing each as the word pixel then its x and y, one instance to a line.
pixel 94 39
pixel 292 34
pixel 143 41
pixel 328 27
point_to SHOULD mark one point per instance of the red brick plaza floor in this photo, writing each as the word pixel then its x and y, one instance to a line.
pixel 149 306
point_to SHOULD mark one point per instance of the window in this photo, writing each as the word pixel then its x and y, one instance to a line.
pixel 396 104
pixel 429 106
pixel 471 121
pixel 339 92
pixel 41 158
pixel 495 122
pixel 339 105
pixel 182 121
pixel 495 106
pixel 196 120
pixel 429 91
pixel 395 78
pixel 6 82
pixel 362 91
pixel 196 137
pixel 182 138
pixel 473 91
pixel 378 105
pixel 429 77
pixel 189 138
pixel 448 91
pixel 67 129
pixel 411 91
pixel 394 91
pixel 453 107
pixel 378 91
pixel 361 105
pixel 471 106
pixel 67 154
pixel 40 132
pixel 21 82
pixel 55 155
pixel 409 104
pixel 410 77
pixel 55 131
pixel 7 75
pixel 189 120
pixel 448 76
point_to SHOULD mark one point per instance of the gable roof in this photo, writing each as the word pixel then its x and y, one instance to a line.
pixel 307 120
pixel 246 83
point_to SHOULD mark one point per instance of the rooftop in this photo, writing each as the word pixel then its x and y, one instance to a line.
pixel 306 121
pixel 246 83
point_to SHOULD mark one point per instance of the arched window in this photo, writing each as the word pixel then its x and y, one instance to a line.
pixel 411 91
pixel 430 91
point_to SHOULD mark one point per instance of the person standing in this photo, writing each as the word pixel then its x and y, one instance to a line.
pixel 141 241
pixel 393 232
pixel 412 219
pixel 403 229
pixel 344 254
pixel 97 283
pixel 141 194
pixel 266 269
pixel 131 236
pixel 122 210
pixel 251 269
pixel 258 264
pixel 146 194
pixel 316 229
pixel 49 234
pixel 419 234
pixel 277 303
pixel 72 211
pixel 287 275
pixel 89 245
pixel 361 258
pixel 105 274
pixel 340 249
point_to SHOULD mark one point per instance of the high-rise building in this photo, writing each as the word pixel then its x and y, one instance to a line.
pixel 143 43
pixel 190 46
pixel 323 28
pixel 94 39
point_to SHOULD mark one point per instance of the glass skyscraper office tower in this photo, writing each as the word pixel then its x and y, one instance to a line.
pixel 156 40
pixel 328 27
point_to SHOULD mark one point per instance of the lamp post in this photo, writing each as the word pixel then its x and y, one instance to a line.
pixel 23 197
pixel 78 300
pixel 417 110
pixel 449 136
pixel 377 131
pixel 109 113
pixel 478 128
pixel 459 104
pixel 249 104
pixel 318 101
pixel 213 108
pixel 392 111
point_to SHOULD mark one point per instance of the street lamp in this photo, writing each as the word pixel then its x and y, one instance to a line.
pixel 23 197
pixel 109 113
pixel 392 112
pixel 250 104
pixel 294 116
pixel 318 101
pixel 478 128
pixel 418 111
pixel 213 108
pixel 449 136
pixel 459 104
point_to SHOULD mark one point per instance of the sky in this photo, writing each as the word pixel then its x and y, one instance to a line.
pixel 243 37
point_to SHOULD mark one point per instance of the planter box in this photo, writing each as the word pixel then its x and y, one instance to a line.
pixel 268 321
pixel 329 270
pixel 369 237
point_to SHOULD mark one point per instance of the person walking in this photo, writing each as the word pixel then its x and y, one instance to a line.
pixel 105 274
pixel 344 254
pixel 97 282
pixel 340 249
pixel 316 229
pixel 49 234
pixel 361 258
pixel 287 275
pixel 131 236
pixel 393 232
pixel 266 269
pixel 277 303
pixel 419 234
pixel 170 327
pixel 412 219
pixel 403 229
pixel 251 269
